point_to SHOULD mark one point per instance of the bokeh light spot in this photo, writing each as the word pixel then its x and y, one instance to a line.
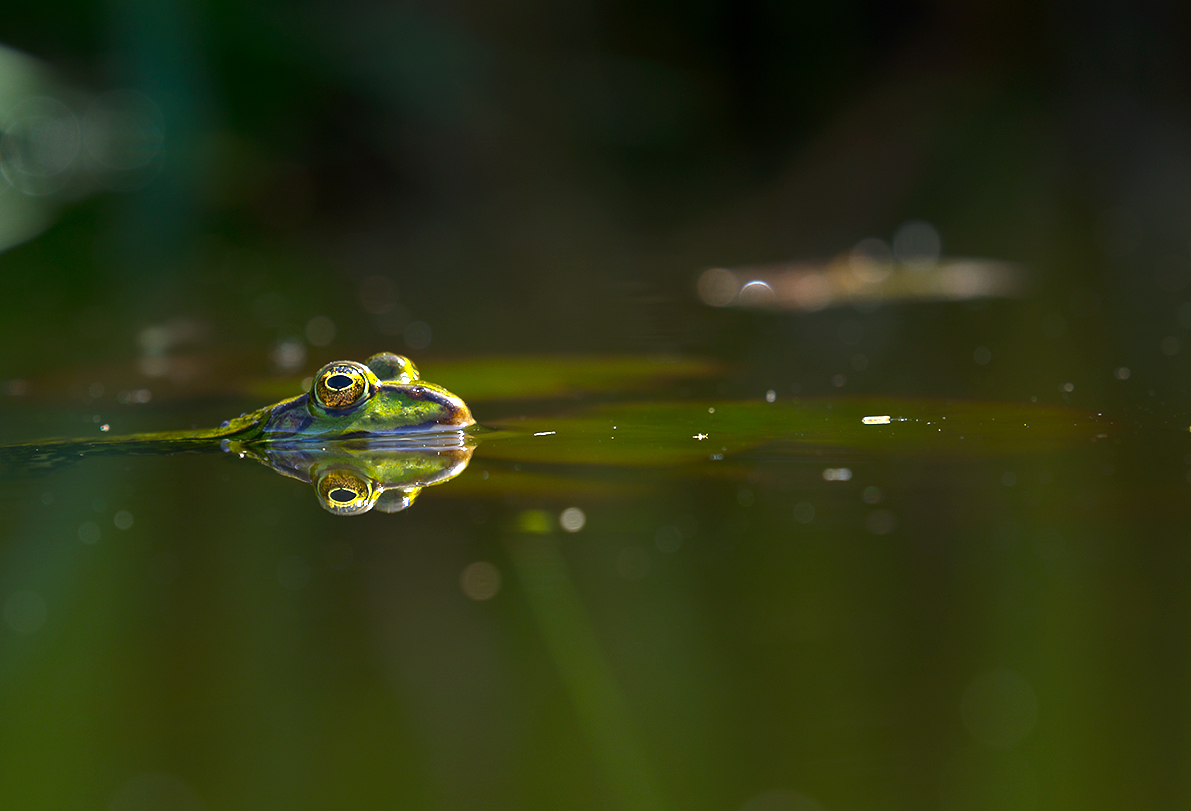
pixel 718 287
pixel 320 330
pixel 417 335
pixel 804 512
pixel 480 580
pixel 917 244
pixel 572 519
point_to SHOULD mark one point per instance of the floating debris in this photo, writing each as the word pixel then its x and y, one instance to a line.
pixel 848 280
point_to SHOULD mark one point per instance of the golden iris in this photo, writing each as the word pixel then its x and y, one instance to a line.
pixel 345 493
pixel 340 385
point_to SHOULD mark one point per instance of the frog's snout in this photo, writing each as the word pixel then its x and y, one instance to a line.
pixel 455 413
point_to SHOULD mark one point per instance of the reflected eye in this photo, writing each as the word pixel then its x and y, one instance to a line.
pixel 344 493
pixel 340 385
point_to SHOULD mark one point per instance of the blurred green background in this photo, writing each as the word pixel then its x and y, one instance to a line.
pixel 475 183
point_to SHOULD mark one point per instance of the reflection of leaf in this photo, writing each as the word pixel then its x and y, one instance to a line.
pixel 667 433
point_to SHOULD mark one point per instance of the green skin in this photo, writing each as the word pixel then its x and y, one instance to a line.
pixel 395 433
pixel 399 404
pixel 352 477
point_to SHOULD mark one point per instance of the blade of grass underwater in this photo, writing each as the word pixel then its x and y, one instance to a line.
pixel 669 433
pixel 558 610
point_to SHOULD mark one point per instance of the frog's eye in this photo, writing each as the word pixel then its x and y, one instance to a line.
pixel 345 493
pixel 339 385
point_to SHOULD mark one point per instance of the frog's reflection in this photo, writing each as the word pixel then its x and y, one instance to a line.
pixel 351 477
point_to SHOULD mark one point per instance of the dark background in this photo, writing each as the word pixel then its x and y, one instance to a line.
pixel 537 174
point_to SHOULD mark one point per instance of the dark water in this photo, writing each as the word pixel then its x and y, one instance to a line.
pixel 982 604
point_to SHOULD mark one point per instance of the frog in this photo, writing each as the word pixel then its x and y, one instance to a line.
pixel 384 397
pixel 365 435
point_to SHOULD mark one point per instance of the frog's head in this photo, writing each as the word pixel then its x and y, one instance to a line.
pixel 382 398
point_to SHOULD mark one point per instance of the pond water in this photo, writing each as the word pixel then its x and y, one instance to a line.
pixel 781 501
pixel 639 597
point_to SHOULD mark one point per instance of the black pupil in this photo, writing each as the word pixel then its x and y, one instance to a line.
pixel 342 495
pixel 338 382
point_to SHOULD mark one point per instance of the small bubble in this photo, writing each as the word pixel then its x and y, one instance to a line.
pixel 872 495
pixel 122 519
pixel 572 519
pixel 1067 387
pixel 480 580
pixel 1122 373
pixel 838 381
pixel 770 396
